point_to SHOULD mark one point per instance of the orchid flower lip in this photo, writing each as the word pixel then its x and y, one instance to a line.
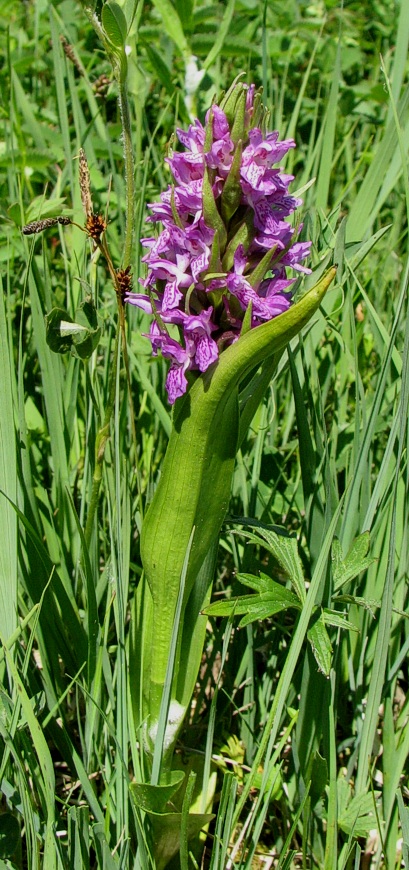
pixel 230 170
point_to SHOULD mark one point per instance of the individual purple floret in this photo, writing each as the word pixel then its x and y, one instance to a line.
pixel 226 242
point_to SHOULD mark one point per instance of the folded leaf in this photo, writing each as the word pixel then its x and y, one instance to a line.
pixel 321 645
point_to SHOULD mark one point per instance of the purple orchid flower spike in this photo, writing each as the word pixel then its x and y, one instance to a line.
pixel 226 242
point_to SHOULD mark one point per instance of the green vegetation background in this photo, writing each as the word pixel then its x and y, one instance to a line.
pixel 326 457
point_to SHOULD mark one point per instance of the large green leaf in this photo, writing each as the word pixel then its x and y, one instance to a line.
pixel 194 489
pixel 158 802
pixel 166 833
pixel 153 798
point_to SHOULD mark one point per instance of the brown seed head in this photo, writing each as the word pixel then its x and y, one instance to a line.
pixel 85 183
pixel 100 86
pixel 95 226
pixel 124 279
pixel 40 226
pixel 70 53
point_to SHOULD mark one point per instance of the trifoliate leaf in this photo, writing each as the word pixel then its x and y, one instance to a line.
pixel 81 336
pixel 87 314
pixel 359 817
pixel 270 598
pixel 285 550
pixel 85 347
pixel 59 330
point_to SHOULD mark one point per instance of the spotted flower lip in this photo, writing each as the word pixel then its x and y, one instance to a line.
pixel 226 242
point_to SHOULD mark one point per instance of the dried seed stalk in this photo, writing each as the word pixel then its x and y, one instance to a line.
pixel 70 53
pixel 39 226
pixel 85 184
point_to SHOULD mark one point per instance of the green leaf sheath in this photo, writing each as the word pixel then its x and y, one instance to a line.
pixel 194 487
pixel 193 491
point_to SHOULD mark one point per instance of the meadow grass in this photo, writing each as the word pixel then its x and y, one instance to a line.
pixel 298 732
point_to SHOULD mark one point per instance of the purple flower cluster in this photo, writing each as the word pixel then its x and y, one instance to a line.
pixel 225 242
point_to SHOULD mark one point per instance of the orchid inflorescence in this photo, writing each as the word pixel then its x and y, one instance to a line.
pixel 226 240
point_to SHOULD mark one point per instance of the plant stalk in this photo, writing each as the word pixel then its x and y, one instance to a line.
pixel 100 444
pixel 129 172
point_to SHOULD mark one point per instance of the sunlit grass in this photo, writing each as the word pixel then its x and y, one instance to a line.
pixel 325 459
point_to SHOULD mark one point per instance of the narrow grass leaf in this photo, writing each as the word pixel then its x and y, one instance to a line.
pixel 404 820
pixel 223 825
pixel 44 759
pixel 8 485
pixel 25 107
pixel 331 842
pixel 285 857
pixel 222 32
pixel 212 715
pixel 91 609
pixel 368 201
pixel 58 63
pixel 78 838
pixel 327 153
pixel 384 628
pixel 69 631
pixel 172 25
pixel 104 855
pixel 361 464
pixel 274 717
pixel 187 800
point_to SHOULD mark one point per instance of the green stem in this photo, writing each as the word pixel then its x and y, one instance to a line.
pixel 122 329
pixel 129 173
pixel 100 445
pixel 119 66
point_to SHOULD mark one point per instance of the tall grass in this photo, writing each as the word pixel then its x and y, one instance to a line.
pixel 301 768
